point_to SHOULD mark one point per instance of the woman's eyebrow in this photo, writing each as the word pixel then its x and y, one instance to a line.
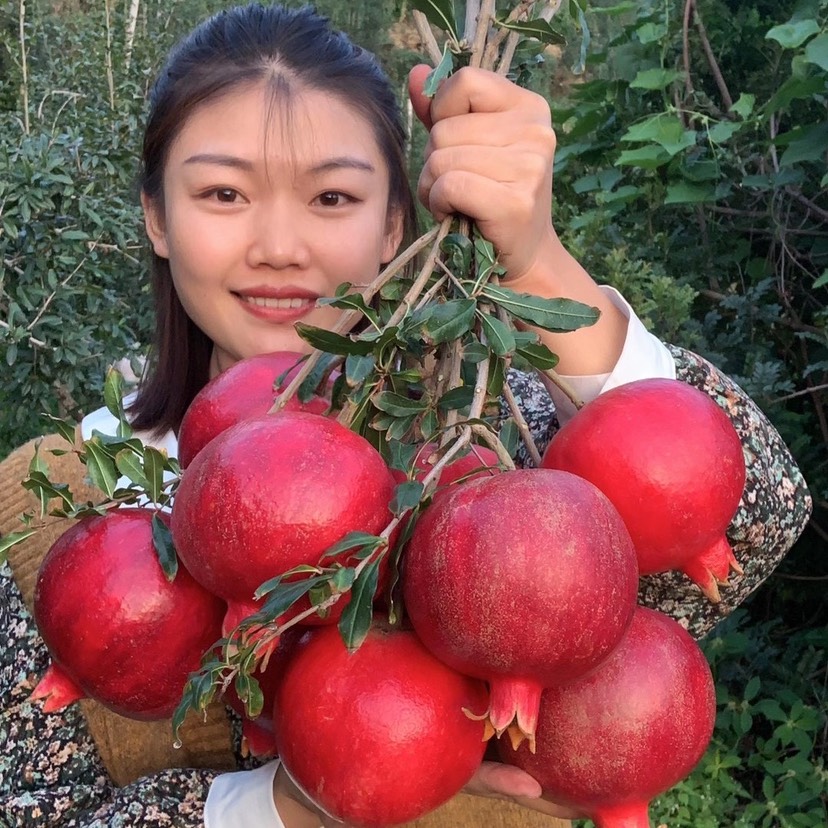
pixel 340 162
pixel 221 160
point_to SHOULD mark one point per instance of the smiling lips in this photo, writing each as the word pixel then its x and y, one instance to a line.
pixel 278 305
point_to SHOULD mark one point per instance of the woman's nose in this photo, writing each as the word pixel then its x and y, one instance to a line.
pixel 278 238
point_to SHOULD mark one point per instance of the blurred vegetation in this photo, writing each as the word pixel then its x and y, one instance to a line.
pixel 691 173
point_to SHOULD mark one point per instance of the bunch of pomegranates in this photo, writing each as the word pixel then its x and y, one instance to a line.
pixel 519 590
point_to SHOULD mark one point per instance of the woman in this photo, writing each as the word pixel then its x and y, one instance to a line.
pixel 273 171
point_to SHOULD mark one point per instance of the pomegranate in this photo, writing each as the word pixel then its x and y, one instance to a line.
pixel 479 461
pixel 671 462
pixel 377 737
pixel 114 625
pixel 525 579
pixel 272 493
pixel 246 389
pixel 610 741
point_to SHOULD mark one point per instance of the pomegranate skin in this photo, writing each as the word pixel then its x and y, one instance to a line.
pixel 525 579
pixel 246 389
pixel 672 463
pixel 377 737
pixel 113 623
pixel 274 492
pixel 612 740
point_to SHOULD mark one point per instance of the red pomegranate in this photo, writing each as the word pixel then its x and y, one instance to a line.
pixel 480 461
pixel 246 389
pixel 272 493
pixel 525 579
pixel 612 740
pixel 671 462
pixel 114 625
pixel 377 737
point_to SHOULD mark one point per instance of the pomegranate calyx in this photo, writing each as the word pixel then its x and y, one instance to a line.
pixel 57 689
pixel 710 569
pixel 488 730
pixel 514 708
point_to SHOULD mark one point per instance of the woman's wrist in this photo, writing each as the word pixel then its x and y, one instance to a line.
pixel 555 273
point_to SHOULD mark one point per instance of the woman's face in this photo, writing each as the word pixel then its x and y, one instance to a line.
pixel 266 212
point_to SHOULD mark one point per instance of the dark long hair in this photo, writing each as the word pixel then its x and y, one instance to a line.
pixel 240 47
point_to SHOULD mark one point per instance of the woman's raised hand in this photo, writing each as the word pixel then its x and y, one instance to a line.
pixel 489 156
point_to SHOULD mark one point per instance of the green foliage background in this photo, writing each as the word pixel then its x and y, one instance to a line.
pixel 691 174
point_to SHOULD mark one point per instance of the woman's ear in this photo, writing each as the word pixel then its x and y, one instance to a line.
pixel 395 230
pixel 155 224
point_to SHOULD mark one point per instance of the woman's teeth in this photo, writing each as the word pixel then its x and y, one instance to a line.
pixel 282 304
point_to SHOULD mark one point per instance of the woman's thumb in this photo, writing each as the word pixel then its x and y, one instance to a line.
pixel 416 81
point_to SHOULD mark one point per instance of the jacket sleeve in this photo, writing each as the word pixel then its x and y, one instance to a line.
pixel 773 512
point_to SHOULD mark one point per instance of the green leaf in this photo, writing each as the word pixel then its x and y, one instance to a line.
pixel 101 467
pixel 817 51
pixel 343 579
pixel 538 355
pixel 664 129
pixel 154 462
pixel 40 484
pixel 806 143
pixel 250 693
pixel 646 158
pixel 284 596
pixel 539 29
pixel 66 430
pixel 458 251
pixel 822 280
pixel 438 12
pixel 331 342
pixel 130 467
pixel 399 406
pixel 114 401
pixel 358 368
pixel 164 548
pixel 11 539
pixel 744 106
pixel 654 78
pixel 456 398
pixel 685 193
pixel 556 315
pixel 356 617
pixel 401 455
pixel 439 73
pixel 406 496
pixel 793 34
pixel 352 301
pixel 499 336
pixel 722 132
pixel 361 541
pixel 651 32
pixel 510 436
pixel 446 321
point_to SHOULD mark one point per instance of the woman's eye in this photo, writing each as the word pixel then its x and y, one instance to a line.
pixel 333 199
pixel 224 195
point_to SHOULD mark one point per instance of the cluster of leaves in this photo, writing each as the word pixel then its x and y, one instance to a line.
pixel 691 173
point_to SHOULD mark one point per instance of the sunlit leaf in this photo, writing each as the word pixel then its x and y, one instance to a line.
pixel 440 13
pixel 557 315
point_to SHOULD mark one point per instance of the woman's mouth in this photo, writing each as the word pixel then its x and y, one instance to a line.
pixel 286 308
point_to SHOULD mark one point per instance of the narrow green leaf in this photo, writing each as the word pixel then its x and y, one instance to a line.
pixel 399 406
pixel 355 622
pixel 456 398
pixel 645 158
pixel 497 376
pixel 406 496
pixel 114 401
pixel 539 29
pixel 343 579
pixel 352 301
pixel 429 424
pixel 458 251
pixel 401 427
pixel 510 436
pixel 284 596
pixel 65 429
pixel 686 193
pixel 101 467
pixel 499 336
pixel 475 352
pixel 654 78
pixel 12 539
pixel 401 455
pixel 154 462
pixel 353 541
pixel 822 280
pixel 557 315
pixel 439 73
pixel 331 342
pixel 440 13
pixel 250 693
pixel 164 548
